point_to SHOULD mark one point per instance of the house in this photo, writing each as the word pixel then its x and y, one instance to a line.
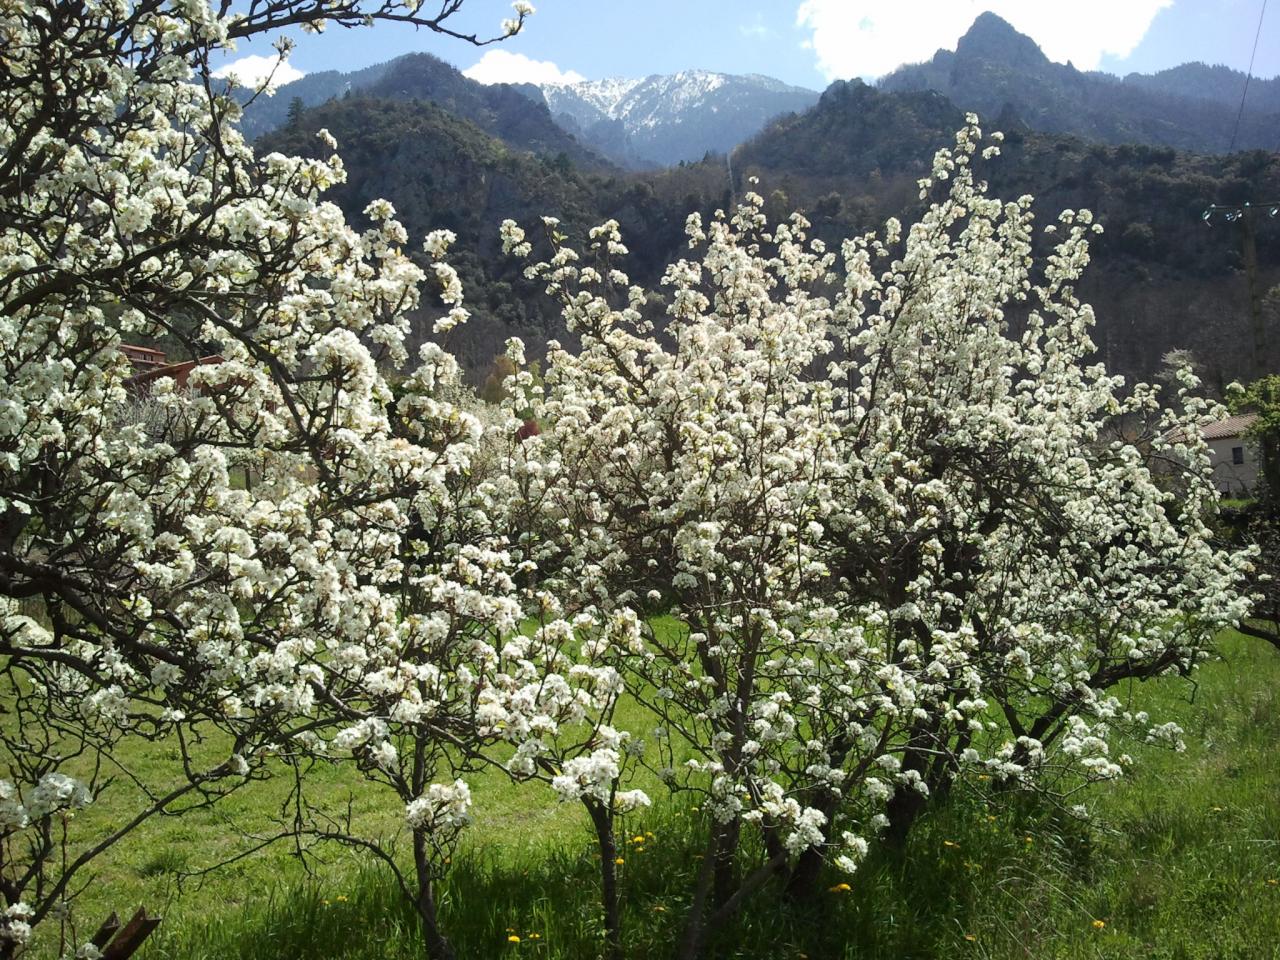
pixel 143 358
pixel 150 365
pixel 1234 456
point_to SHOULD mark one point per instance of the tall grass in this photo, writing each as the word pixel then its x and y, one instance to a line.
pixel 1181 861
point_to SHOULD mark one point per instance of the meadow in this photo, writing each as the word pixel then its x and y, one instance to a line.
pixel 1181 860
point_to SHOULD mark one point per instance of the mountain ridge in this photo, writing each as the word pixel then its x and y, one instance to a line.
pixel 501 110
pixel 995 69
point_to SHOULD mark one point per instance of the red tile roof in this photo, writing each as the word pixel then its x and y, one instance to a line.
pixel 1230 427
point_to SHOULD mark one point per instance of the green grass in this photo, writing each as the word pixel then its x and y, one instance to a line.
pixel 1181 863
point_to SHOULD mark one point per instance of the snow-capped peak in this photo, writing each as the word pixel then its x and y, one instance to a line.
pixel 726 109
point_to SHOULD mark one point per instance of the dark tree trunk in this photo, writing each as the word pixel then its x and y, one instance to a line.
pixel 438 946
pixel 726 862
pixel 602 820
pixel 690 947
pixel 802 885
pixel 907 804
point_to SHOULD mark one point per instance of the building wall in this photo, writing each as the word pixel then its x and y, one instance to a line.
pixel 1233 479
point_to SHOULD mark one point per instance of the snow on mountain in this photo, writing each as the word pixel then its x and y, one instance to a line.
pixel 664 119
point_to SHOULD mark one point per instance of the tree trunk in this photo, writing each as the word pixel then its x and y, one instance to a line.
pixel 726 862
pixel 907 803
pixel 438 946
pixel 602 820
pixel 691 939
pixel 802 885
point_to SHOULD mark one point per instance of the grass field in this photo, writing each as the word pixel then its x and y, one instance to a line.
pixel 1182 862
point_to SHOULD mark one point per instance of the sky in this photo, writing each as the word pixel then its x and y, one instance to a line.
pixel 807 43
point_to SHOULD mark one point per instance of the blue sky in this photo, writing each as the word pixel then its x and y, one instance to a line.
pixel 804 42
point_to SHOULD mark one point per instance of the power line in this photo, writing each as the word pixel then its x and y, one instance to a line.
pixel 1231 212
pixel 1247 77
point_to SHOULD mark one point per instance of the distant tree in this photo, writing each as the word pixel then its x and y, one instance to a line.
pixel 296 109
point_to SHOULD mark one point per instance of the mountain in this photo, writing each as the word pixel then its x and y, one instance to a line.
pixel 657 121
pixel 267 113
pixel 500 110
pixel 1160 279
pixel 856 129
pixel 663 120
pixel 996 70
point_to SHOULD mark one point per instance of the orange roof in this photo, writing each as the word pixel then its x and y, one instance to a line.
pixel 1230 427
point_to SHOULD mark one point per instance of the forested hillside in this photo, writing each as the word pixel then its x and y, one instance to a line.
pixel 516 116
pixel 441 172
pixel 1161 279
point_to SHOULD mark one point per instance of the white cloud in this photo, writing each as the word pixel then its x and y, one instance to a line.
pixel 755 30
pixel 503 66
pixel 869 38
pixel 250 71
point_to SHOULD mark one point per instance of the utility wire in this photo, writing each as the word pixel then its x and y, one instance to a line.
pixel 1247 77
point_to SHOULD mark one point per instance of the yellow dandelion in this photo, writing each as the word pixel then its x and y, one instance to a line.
pixel 950 843
pixel 1099 924
pixel 619 861
pixel 513 939
pixel 1273 882
pixel 638 838
pixel 1026 839
pixel 659 908
pixel 839 888
pixel 971 937
pixel 650 836
pixel 535 936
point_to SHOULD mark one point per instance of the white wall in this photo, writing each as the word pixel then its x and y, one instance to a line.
pixel 1234 479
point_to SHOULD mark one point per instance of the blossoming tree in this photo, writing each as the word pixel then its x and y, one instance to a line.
pixel 691 477
pixel 147 596
pixel 1021 554
pixel 880 503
